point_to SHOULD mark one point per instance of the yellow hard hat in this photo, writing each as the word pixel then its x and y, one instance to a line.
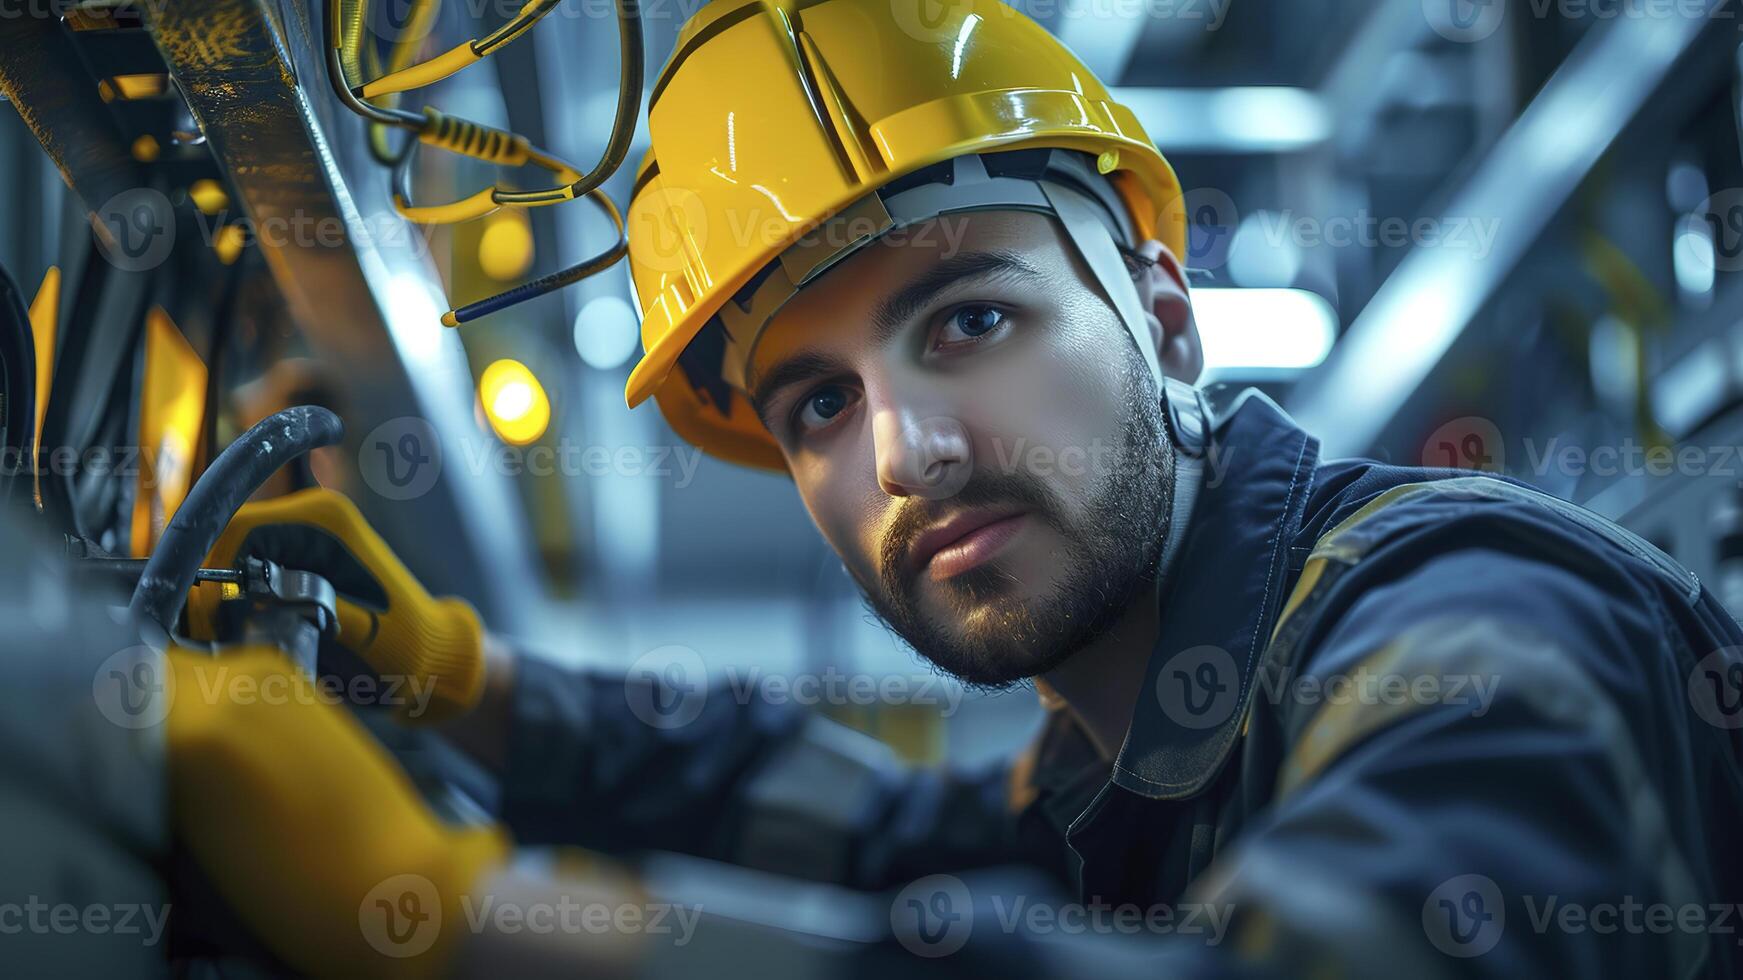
pixel 778 120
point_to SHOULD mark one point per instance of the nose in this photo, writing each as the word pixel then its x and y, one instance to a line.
pixel 927 456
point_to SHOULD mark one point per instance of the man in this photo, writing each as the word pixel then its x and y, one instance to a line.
pixel 1390 720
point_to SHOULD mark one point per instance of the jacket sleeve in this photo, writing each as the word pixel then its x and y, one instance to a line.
pixel 1530 796
pixel 620 765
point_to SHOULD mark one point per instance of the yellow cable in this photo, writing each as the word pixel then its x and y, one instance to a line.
pixel 522 22
pixel 461 56
pixel 399 57
pixel 535 199
pixel 423 73
pixel 349 14
pixel 475 140
pixel 476 206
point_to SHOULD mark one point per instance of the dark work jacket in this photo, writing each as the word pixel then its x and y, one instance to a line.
pixel 1397 722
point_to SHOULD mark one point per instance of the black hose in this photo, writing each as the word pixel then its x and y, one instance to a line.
pixel 222 490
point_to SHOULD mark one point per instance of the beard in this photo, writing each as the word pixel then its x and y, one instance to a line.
pixel 1114 540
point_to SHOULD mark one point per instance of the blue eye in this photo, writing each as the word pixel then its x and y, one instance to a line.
pixel 821 405
pixel 827 403
pixel 975 321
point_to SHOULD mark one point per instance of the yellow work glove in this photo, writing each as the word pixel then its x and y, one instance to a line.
pixel 307 829
pixel 385 615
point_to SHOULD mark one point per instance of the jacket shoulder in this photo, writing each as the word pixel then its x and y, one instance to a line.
pixel 1359 508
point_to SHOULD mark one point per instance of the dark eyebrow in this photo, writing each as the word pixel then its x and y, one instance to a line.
pixel 892 312
pixel 790 371
pixel 897 308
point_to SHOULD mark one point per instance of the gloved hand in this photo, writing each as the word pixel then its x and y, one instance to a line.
pixel 307 829
pixel 385 615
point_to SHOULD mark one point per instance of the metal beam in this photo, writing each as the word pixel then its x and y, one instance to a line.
pixel 44 76
pixel 1420 311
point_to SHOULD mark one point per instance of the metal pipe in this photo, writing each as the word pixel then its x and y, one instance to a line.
pixel 135 566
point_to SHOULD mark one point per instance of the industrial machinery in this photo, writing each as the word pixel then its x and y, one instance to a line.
pixel 252 244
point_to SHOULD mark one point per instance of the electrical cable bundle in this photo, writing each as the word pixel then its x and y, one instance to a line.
pixel 346 56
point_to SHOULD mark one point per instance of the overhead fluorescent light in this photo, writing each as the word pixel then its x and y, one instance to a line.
pixel 1234 119
pixel 1263 330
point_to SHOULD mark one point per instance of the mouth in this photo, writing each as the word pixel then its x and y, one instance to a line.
pixel 964 542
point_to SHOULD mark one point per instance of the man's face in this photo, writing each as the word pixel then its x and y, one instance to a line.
pixel 974 432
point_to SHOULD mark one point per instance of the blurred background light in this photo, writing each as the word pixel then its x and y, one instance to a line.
pixel 208 195
pixel 1613 351
pixel 514 402
pixel 414 319
pixel 1237 119
pixel 505 250
pixel 606 332
pixel 1695 261
pixel 229 242
pixel 1263 329
pixel 1685 186
pixel 1262 253
pixel 1693 387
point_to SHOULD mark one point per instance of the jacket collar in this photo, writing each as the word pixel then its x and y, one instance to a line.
pixel 1225 588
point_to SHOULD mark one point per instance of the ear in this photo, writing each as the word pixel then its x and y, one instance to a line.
pixel 1167 306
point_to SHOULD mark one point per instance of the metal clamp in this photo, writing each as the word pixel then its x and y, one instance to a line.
pixel 290 609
